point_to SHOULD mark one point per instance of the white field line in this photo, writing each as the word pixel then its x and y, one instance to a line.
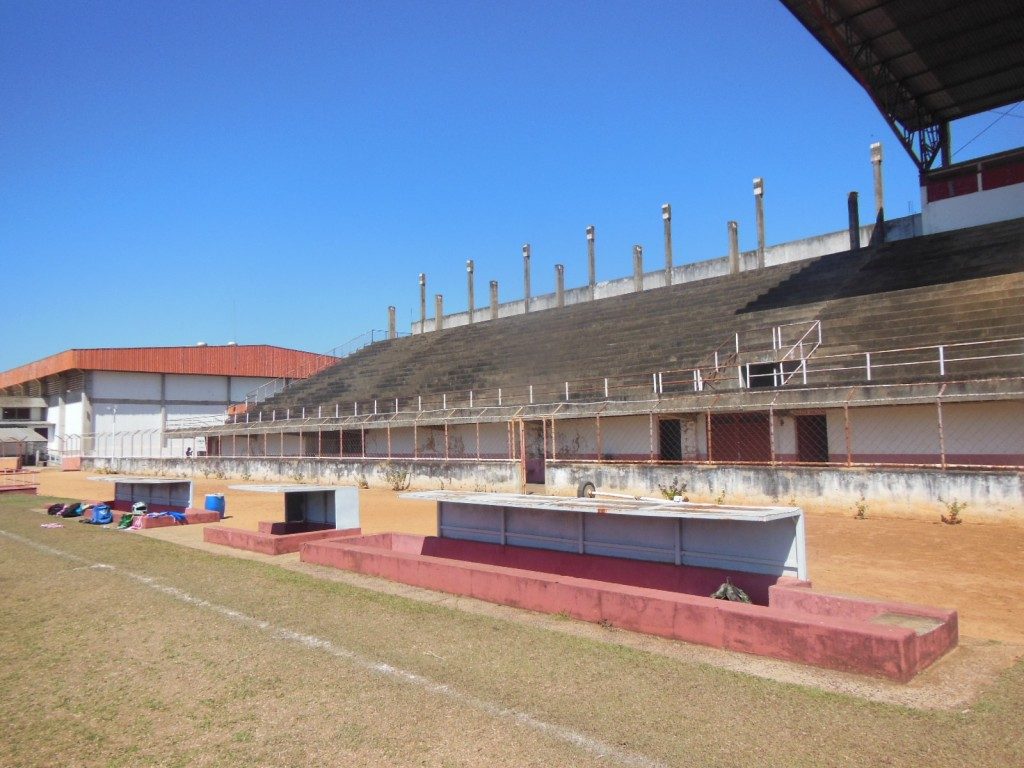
pixel 556 732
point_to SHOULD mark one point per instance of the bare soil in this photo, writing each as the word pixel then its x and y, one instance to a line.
pixel 117 649
pixel 973 567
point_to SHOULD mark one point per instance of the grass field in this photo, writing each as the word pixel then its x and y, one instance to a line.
pixel 124 650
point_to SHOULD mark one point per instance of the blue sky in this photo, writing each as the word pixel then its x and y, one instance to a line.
pixel 280 172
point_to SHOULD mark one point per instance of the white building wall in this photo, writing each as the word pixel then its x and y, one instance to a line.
pixel 626 437
pixel 196 388
pixel 125 417
pixel 983 207
pixel 985 433
pixel 128 386
pixel 575 439
pixel 494 441
pixel 73 424
pixel 994 429
pixel 243 385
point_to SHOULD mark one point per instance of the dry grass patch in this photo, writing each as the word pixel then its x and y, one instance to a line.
pixel 100 669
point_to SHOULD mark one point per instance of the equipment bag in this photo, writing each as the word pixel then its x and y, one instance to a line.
pixel 101 515
pixel 71 510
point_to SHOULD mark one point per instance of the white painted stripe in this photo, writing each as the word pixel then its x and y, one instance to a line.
pixel 557 732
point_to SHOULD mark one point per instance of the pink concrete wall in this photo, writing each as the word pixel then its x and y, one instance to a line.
pixel 269 543
pixel 637 573
pixel 837 642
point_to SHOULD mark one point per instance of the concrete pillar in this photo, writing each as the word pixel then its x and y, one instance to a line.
pixel 666 216
pixel 392 324
pixel 560 284
pixel 876 163
pixel 87 418
pixel 638 268
pixel 469 287
pixel 526 278
pixel 734 248
pixel 163 406
pixel 759 211
pixel 591 262
pixel 438 312
pixel 494 299
pixel 423 302
pixel 62 430
pixel 853 209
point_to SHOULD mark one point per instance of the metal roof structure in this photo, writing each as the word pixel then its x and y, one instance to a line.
pixel 924 63
pixel 637 507
pixel 255 360
pixel 286 488
pixel 22 402
pixel 20 435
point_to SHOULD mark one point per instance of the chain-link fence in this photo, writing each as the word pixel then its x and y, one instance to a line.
pixel 847 429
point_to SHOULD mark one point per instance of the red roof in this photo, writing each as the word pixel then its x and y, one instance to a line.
pixel 258 360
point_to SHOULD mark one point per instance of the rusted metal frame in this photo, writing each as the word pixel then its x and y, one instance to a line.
pixel 388 427
pixel 771 426
pixel 847 429
pixel 446 441
pixel 708 435
pixel 478 441
pixel 522 456
pixel 544 437
pixel 650 421
pixel 942 433
pixel 554 441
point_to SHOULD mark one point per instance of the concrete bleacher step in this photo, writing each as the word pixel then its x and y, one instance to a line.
pixel 963 286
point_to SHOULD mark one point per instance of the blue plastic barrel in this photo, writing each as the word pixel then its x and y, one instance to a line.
pixel 215 503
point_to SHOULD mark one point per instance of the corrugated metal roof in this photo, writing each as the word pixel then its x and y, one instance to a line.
pixel 257 360
pixel 20 435
pixel 925 62
pixel 17 401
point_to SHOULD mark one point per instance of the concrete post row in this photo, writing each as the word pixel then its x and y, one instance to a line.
pixel 591 262
pixel 526 277
pixel 666 216
pixel 734 247
pixel 759 211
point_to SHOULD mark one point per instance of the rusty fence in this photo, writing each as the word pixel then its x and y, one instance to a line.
pixel 926 425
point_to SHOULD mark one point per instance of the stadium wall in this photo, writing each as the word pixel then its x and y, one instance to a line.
pixel 798 250
pixel 990 495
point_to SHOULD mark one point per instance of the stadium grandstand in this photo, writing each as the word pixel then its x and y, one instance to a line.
pixel 881 362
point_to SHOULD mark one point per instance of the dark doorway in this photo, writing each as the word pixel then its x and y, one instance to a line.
pixel 670 440
pixel 812 438
pixel 330 443
pixel 535 451
pixel 762 375
pixel 352 442
pixel 740 437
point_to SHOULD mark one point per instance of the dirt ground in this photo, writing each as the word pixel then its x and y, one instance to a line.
pixel 973 567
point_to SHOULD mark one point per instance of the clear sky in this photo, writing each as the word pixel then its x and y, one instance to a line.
pixel 280 172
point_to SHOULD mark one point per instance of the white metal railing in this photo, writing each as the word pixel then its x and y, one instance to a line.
pixel 938 360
